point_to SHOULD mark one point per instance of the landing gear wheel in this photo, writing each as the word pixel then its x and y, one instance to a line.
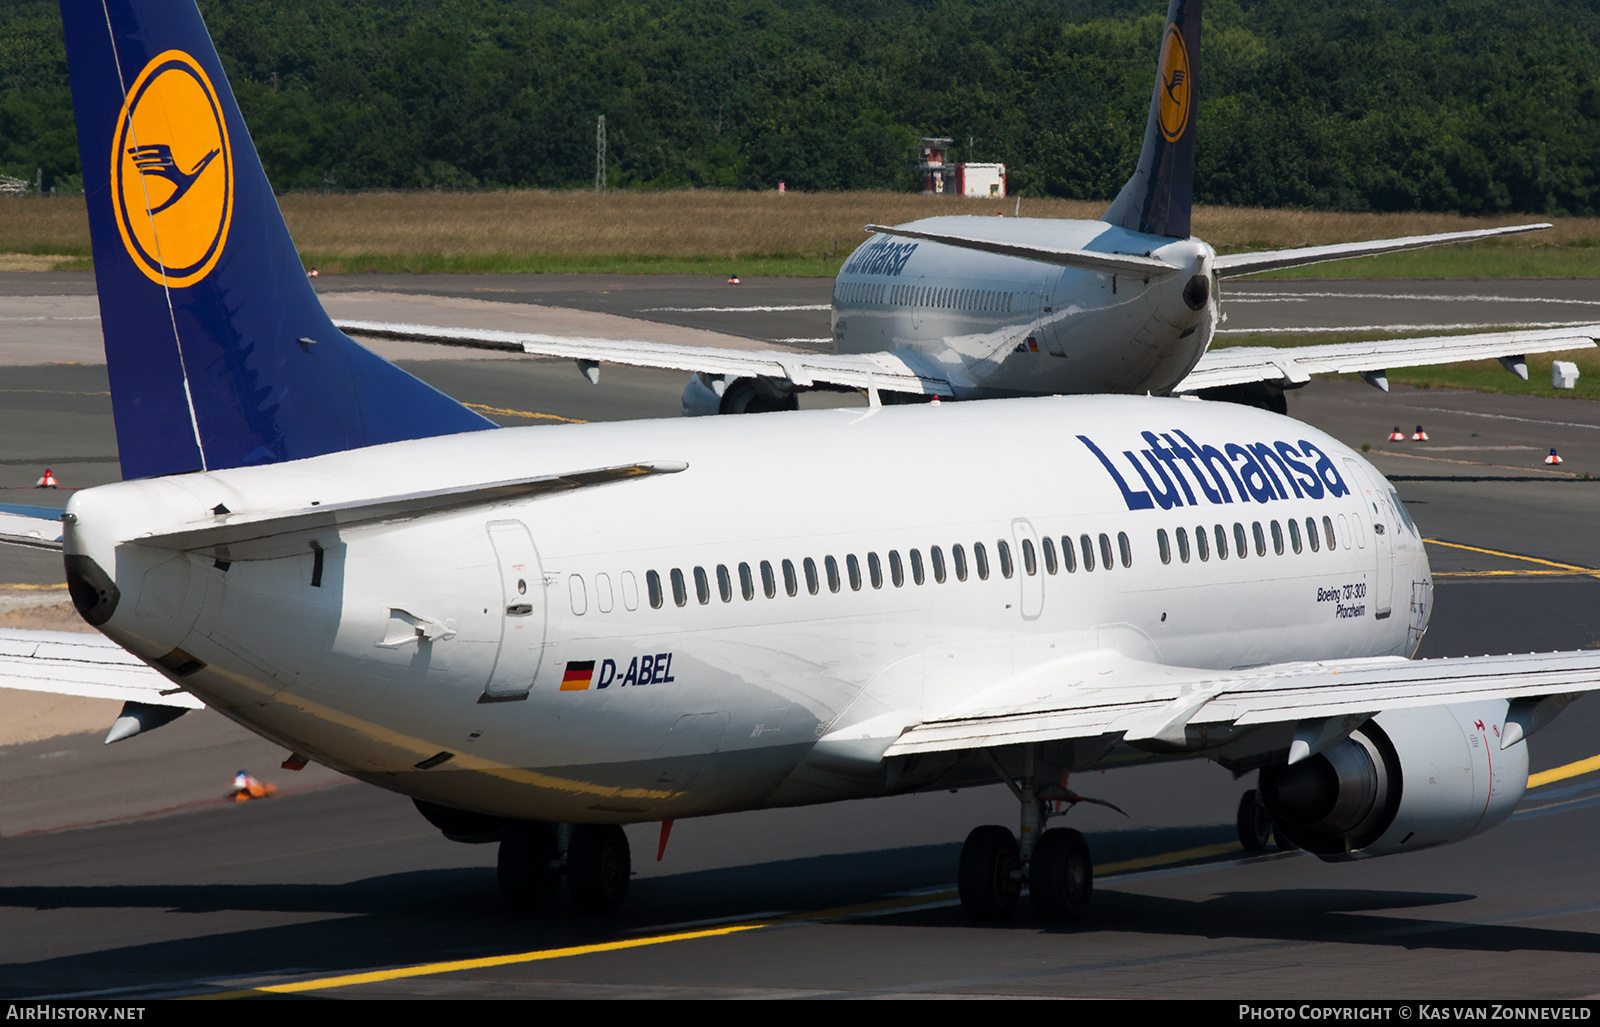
pixel 1060 876
pixel 1255 826
pixel 529 874
pixel 598 866
pixel 987 877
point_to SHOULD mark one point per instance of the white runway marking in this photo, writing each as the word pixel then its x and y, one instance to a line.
pixel 1327 329
pixel 1300 297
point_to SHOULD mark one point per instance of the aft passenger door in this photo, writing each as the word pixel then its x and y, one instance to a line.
pixel 522 612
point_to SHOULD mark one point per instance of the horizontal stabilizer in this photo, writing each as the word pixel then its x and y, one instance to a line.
pixel 888 372
pixel 1232 265
pixel 1294 365
pixel 1087 260
pixel 32 532
pixel 1105 693
pixel 245 536
pixel 65 663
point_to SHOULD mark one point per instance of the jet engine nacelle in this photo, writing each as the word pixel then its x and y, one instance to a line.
pixel 1405 780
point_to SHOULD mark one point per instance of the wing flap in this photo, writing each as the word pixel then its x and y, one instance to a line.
pixel 1233 265
pixel 1143 700
pixel 1294 365
pixel 889 372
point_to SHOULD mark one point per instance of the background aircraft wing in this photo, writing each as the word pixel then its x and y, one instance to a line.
pixel 1232 265
pixel 1105 693
pixel 889 372
pixel 1294 365
pixel 66 663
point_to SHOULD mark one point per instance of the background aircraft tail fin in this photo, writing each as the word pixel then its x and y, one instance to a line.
pixel 219 353
pixel 1156 200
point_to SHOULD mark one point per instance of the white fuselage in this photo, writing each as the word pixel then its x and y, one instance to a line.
pixel 699 701
pixel 1008 326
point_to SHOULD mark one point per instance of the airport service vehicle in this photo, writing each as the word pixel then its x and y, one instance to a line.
pixel 985 307
pixel 541 634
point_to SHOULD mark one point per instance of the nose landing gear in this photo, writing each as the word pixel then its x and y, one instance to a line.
pixel 1054 865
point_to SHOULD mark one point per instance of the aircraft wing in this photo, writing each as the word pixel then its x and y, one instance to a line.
pixel 1294 365
pixel 32 532
pixel 67 663
pixel 889 372
pixel 1233 265
pixel 1105 693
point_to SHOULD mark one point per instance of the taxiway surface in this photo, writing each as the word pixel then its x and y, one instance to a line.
pixel 122 872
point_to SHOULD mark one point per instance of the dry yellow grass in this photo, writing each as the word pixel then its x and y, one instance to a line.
pixel 703 223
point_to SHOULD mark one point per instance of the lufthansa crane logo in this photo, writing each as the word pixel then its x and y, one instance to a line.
pixel 172 172
pixel 1176 86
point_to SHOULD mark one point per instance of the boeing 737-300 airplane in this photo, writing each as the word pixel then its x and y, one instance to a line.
pixel 543 633
pixel 985 307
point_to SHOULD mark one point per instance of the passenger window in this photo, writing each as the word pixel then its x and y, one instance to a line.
pixel 959 555
pixel 980 559
pixel 852 566
pixel 1294 536
pixel 1221 535
pixel 1261 539
pixel 1004 550
pixel 630 591
pixel 1183 545
pixel 1201 545
pixel 1105 551
pixel 1069 556
pixel 680 592
pixel 1030 562
pixel 747 582
pixel 875 570
pixel 1327 533
pixel 1049 548
pixel 702 586
pixel 1277 538
pixel 1311 534
pixel 1240 546
pixel 652 584
pixel 897 573
pixel 724 583
pixel 602 592
pixel 1087 546
pixel 937 556
pixel 916 566
pixel 576 592
pixel 791 584
pixel 832 567
pixel 769 581
pixel 811 575
pixel 1125 549
pixel 1163 548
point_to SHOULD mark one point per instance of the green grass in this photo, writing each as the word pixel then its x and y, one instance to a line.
pixel 546 264
pixel 1473 260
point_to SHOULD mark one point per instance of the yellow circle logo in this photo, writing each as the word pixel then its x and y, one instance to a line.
pixel 172 172
pixel 1175 87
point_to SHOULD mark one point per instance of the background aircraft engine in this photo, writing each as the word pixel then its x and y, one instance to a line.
pixel 1405 780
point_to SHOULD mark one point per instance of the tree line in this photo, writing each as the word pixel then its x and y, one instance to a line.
pixel 1442 105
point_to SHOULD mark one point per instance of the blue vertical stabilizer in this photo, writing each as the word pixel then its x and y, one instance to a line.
pixel 219 353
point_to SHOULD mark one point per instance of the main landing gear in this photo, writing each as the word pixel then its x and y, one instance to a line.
pixel 1055 865
pixel 594 858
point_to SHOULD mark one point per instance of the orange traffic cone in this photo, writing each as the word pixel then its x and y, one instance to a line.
pixel 48 481
pixel 1553 458
pixel 733 279
pixel 1419 435
pixel 1397 435
pixel 246 788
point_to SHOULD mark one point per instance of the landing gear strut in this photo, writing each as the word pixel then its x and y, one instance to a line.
pixel 594 858
pixel 1054 865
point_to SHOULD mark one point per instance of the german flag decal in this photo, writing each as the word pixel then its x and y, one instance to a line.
pixel 578 675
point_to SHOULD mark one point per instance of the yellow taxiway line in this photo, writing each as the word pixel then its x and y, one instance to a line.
pixel 1555 774
pixel 1560 568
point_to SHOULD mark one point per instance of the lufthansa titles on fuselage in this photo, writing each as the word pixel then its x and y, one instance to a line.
pixel 883 257
pixel 1259 472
